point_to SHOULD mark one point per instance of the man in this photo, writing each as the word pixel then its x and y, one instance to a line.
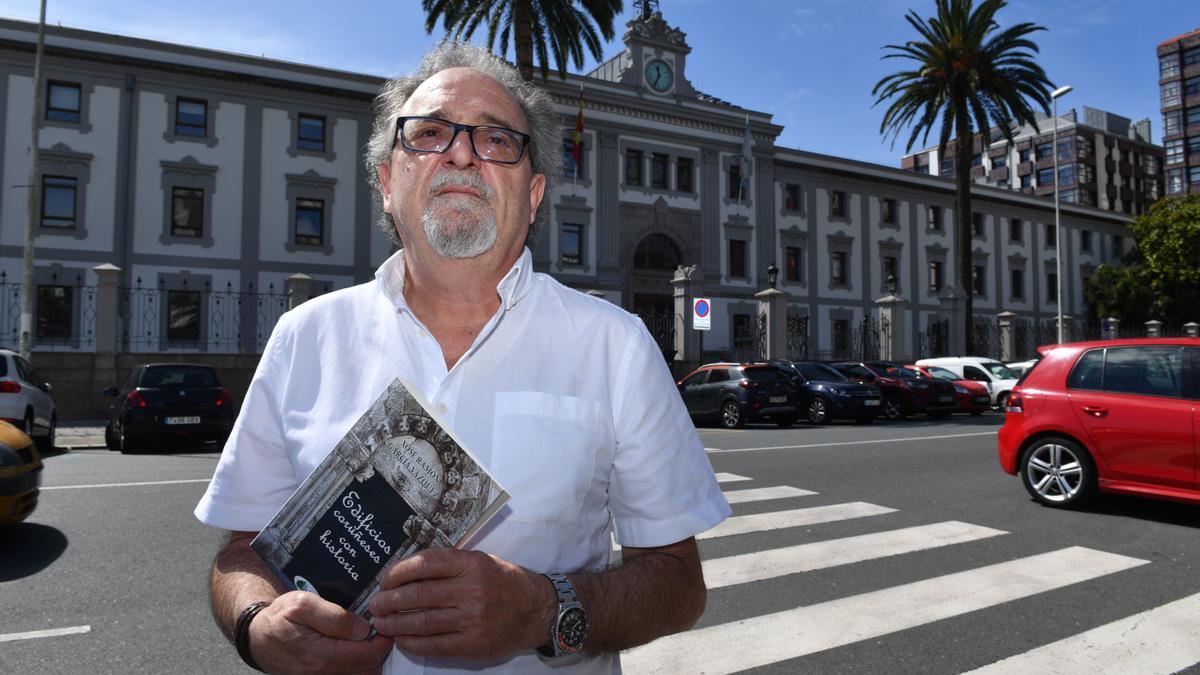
pixel 563 397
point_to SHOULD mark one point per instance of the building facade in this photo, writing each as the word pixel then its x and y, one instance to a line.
pixel 1104 160
pixel 209 178
pixel 1179 85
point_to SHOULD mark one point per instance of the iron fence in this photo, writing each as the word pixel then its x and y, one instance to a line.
pixel 64 314
pixel 934 341
pixel 750 340
pixel 185 318
pixel 663 326
pixel 797 336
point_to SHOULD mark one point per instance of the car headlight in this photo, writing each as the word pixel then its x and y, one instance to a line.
pixel 961 389
pixel 841 393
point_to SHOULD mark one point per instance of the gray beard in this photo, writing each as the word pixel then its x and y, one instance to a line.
pixel 459 233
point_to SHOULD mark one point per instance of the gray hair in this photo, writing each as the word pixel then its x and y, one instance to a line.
pixel 545 125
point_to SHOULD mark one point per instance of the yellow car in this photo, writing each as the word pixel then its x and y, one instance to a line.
pixel 20 475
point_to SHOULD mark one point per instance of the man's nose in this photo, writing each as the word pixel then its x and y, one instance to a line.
pixel 460 152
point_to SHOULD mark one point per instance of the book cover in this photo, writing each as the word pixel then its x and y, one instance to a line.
pixel 398 482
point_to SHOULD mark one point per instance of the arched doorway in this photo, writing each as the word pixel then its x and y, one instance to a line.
pixel 654 262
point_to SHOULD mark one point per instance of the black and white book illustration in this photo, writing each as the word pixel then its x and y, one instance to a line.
pixel 397 482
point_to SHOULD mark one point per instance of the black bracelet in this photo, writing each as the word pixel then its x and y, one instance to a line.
pixel 241 633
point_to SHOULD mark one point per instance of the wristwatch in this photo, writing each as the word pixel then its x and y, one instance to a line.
pixel 569 629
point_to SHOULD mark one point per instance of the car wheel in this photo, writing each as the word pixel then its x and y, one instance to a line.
pixel 818 410
pixel 892 408
pixel 110 439
pixel 27 424
pixel 46 443
pixel 1001 401
pixel 126 444
pixel 1058 472
pixel 731 415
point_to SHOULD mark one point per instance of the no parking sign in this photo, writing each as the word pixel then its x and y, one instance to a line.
pixel 701 314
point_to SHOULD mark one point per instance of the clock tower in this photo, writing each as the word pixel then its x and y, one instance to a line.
pixel 655 54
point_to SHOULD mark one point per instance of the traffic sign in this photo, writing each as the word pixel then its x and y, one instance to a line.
pixel 701 314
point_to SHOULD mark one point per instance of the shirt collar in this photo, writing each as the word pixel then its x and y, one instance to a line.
pixel 515 285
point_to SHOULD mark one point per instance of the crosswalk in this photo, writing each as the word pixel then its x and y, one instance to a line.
pixel 1165 639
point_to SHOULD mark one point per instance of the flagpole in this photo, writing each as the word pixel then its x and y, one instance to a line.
pixel 577 141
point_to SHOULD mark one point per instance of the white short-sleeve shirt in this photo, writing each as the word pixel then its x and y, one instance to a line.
pixel 565 398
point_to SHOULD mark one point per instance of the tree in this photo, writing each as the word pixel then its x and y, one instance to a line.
pixel 558 28
pixel 968 75
pixel 1160 279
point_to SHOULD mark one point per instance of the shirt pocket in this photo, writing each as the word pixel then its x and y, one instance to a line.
pixel 544 453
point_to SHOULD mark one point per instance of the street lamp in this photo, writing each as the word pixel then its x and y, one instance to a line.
pixel 1058 275
pixel 772 275
pixel 891 284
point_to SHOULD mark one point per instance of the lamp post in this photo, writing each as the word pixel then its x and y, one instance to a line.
pixel 772 275
pixel 1058 276
pixel 891 284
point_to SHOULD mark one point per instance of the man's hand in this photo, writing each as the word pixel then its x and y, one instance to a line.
pixel 466 604
pixel 300 632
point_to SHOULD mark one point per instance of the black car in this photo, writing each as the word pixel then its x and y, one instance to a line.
pixel 830 395
pixel 171 403
pixel 904 392
pixel 736 393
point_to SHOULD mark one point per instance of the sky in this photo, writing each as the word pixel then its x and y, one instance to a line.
pixel 811 64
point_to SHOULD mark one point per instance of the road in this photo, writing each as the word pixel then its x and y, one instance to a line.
pixel 889 548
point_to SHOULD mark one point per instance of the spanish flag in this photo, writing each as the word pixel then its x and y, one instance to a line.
pixel 577 137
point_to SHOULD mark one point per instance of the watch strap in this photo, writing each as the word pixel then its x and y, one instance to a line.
pixel 567 598
pixel 241 633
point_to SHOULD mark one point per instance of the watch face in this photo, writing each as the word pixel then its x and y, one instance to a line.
pixel 572 629
pixel 659 75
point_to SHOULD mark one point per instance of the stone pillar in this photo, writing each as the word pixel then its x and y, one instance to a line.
pixel 1110 328
pixel 952 299
pixel 1191 329
pixel 1008 336
pixel 1154 328
pixel 298 288
pixel 688 341
pixel 107 307
pixel 772 303
pixel 892 309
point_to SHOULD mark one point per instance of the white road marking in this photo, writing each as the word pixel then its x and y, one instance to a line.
pixel 730 477
pixel 741 569
pixel 764 493
pixel 793 633
pixel 106 485
pixel 777 520
pixel 1164 640
pixel 53 632
pixel 830 445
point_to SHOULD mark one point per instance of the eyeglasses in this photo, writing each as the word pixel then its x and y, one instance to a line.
pixel 430 134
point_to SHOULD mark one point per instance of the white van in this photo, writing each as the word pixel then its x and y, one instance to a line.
pixel 993 374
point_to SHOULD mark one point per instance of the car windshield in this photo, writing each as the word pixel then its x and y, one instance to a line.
pixel 941 373
pixel 999 371
pixel 890 370
pixel 818 371
pixel 763 374
pixel 179 376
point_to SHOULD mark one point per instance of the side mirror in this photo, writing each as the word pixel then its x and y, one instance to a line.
pixel 110 391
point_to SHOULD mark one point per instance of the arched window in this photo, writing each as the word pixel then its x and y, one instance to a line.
pixel 656 252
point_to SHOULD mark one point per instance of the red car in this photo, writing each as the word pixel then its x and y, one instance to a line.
pixel 1111 416
pixel 972 397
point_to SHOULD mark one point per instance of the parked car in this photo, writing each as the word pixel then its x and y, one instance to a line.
pixel 20 475
pixel 831 395
pixel 904 393
pixel 994 375
pixel 1107 416
pixel 736 393
pixel 25 400
pixel 169 403
pixel 972 396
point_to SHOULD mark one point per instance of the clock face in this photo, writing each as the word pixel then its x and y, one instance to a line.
pixel 659 75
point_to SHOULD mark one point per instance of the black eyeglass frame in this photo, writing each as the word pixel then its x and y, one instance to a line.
pixel 526 139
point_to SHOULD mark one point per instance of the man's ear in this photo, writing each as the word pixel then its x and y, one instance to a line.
pixel 385 180
pixel 537 190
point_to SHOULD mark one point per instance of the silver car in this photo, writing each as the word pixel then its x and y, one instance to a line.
pixel 25 400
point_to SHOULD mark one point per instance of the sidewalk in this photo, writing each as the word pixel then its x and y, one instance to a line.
pixel 79 434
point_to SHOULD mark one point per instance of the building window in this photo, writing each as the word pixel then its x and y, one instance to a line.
pixel 1051 287
pixel 1174 151
pixel 935 218
pixel 1191 86
pixel 891 267
pixel 1042 150
pixel 683 174
pixel 1192 116
pixel 737 258
pixel 947 167
pixel 1193 146
pixel 571 169
pixel 1017 281
pixel 837 268
pixel 1170 94
pixel 1066 174
pixel 791 197
pixel 183 316
pixel 887 210
pixel 63 102
pixel 1194 175
pixel 656 252
pixel 977 159
pixel 1045 176
pixel 735 181
pixel 837 204
pixel 1066 148
pixel 921 165
pixel 310 132
pixel 54 305
pixel 1016 229
pixel 1191 56
pixel 191 117
pixel 1085 240
pixel 792 262
pixel 310 222
pixel 1175 184
pixel 1168 66
pixel 1027 180
pixel 187 212
pixel 1173 122
pixel 58 201
pixel 977 224
pixel 935 276
pixel 1118 246
pixel 658 171
pixel 978 277
pixel 1023 155
pixel 1051 234
pixel 1000 162
pixel 570 244
pixel 633 167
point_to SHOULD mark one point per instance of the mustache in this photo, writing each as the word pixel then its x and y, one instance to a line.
pixel 467 179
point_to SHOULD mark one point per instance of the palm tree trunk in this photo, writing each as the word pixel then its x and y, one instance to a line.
pixel 965 147
pixel 523 37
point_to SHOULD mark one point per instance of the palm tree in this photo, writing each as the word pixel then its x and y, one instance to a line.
pixel 968 75
pixel 558 28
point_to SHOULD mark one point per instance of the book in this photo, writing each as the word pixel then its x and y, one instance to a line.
pixel 398 482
